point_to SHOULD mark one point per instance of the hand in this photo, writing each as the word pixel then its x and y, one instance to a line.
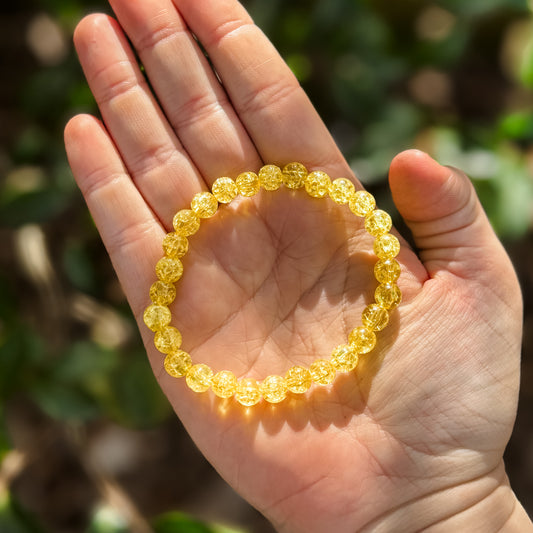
pixel 415 436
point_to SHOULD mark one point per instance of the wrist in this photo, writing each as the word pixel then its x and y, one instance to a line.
pixel 519 521
pixel 486 504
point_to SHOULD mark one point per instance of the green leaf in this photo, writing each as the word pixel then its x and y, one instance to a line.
pixel 176 522
pixel 300 66
pixel 138 400
pixel 526 70
pixel 78 266
pixel 20 350
pixel 515 192
pixel 518 125
pixel 77 385
pixel 62 402
pixel 33 207
pixel 84 363
pixel 31 144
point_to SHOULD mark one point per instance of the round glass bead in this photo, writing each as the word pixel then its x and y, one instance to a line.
pixel 298 379
pixel 162 293
pixel 378 222
pixel 388 295
pixel 344 358
pixel 273 389
pixel 294 175
pixel 270 177
pixel 169 269
pixel 386 246
pixel 361 203
pixel 322 372
pixel 168 339
pixel 248 183
pixel 375 317
pixel 317 184
pixel 186 222
pixel 362 339
pixel 177 363
pixel 387 270
pixel 341 190
pixel 175 245
pixel 204 204
pixel 247 392
pixel 224 384
pixel 157 317
pixel 198 378
pixel 224 190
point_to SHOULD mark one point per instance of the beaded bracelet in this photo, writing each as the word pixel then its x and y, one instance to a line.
pixel 298 379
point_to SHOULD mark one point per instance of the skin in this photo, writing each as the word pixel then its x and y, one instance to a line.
pixel 413 440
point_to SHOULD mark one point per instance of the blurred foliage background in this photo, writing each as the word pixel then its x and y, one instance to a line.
pixel 87 442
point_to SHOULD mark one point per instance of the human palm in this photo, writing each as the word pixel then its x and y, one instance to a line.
pixel 282 278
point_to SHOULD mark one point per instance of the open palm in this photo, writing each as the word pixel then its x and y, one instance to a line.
pixel 415 436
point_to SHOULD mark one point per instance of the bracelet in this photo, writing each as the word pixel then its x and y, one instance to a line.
pixel 298 379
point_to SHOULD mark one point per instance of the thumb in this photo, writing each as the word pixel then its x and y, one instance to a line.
pixel 449 227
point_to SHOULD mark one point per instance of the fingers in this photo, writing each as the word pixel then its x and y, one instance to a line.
pixel 448 223
pixel 148 146
pixel 127 226
pixel 275 111
pixel 193 99
pixel 267 117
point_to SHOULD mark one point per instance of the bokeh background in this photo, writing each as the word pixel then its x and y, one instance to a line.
pixel 87 441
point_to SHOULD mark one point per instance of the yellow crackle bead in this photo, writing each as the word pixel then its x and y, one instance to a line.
pixel 270 177
pixel 186 222
pixel 177 363
pixel 388 295
pixel 198 377
pixel 344 358
pixel 378 222
pixel 386 246
pixel 162 293
pixel 247 392
pixel 274 389
pixel 248 183
pixel 317 184
pixel 169 269
pixel 204 204
pixel 361 203
pixel 375 317
pixel 157 317
pixel 294 175
pixel 387 270
pixel 168 339
pixel 298 379
pixel 322 372
pixel 341 190
pixel 175 245
pixel 224 384
pixel 224 190
pixel 362 339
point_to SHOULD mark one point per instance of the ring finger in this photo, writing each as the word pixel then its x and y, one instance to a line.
pixel 190 94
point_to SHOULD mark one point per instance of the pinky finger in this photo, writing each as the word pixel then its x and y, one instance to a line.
pixel 126 224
